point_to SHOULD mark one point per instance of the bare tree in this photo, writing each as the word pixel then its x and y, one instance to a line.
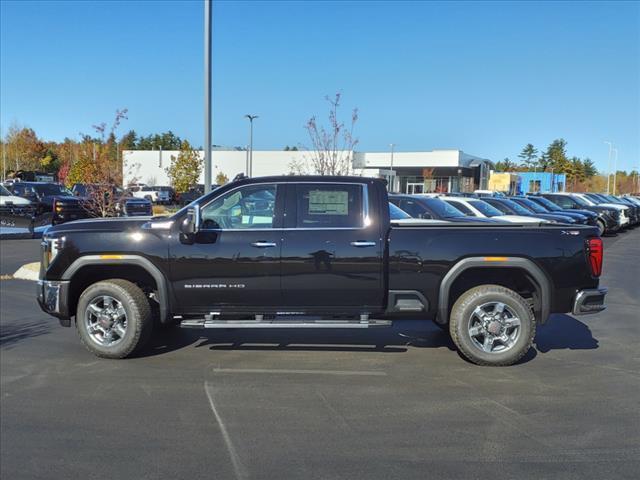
pixel 332 146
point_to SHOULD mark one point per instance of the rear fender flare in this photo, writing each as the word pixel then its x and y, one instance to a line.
pixel 525 264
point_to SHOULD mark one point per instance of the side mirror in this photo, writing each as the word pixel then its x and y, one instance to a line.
pixel 189 225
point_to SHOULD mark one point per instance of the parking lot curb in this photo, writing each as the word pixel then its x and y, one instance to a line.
pixel 29 271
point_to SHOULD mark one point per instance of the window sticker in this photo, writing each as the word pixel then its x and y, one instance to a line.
pixel 328 202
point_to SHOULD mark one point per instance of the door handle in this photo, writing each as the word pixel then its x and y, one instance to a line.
pixel 263 244
pixel 362 244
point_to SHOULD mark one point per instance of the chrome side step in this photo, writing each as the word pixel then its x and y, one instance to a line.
pixel 202 323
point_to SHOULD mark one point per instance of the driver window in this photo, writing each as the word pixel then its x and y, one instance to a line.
pixel 249 207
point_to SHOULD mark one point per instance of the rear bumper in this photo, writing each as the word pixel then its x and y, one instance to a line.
pixel 589 301
pixel 53 299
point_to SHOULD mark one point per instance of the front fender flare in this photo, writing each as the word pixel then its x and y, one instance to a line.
pixel 138 260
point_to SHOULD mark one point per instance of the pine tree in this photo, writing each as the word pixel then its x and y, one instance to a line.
pixel 529 156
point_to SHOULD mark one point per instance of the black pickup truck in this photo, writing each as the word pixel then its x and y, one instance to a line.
pixel 321 252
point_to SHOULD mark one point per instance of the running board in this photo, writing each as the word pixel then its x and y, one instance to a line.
pixel 201 323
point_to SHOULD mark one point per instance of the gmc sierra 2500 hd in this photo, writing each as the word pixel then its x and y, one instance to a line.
pixel 300 252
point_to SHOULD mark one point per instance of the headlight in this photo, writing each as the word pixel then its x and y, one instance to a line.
pixel 52 246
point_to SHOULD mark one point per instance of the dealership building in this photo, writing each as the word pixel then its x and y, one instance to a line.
pixel 407 172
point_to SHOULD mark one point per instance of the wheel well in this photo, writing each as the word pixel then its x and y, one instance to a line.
pixel 513 278
pixel 91 274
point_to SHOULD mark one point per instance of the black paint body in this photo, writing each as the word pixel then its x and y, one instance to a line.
pixel 319 271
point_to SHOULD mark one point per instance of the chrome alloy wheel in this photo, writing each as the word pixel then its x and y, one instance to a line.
pixel 494 327
pixel 105 320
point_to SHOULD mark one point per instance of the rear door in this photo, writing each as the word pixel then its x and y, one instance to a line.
pixel 332 253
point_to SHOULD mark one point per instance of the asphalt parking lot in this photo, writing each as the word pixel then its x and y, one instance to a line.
pixel 378 404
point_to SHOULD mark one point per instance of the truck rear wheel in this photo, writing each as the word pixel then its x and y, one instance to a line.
pixel 113 318
pixel 492 325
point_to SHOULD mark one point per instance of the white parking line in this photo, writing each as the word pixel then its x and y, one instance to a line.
pixel 238 468
pixel 301 372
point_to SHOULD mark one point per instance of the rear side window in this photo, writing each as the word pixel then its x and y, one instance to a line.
pixel 329 206
pixel 565 202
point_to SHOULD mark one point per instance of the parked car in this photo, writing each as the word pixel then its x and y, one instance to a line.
pixel 609 219
pixel 509 207
pixel 425 207
pixel 125 205
pixel 51 201
pixel 153 194
pixel 581 216
pixel 634 210
pixel 625 212
pixel 315 251
pixel 192 194
pixel 475 207
pixel 15 211
pixel 173 196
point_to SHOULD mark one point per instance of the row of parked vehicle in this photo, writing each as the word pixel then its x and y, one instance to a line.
pixel 25 204
pixel 607 212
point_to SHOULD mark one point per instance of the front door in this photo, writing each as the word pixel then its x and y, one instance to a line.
pixel 234 261
pixel 332 253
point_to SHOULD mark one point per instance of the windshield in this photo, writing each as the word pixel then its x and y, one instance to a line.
pixel 4 192
pixel 516 207
pixel 582 201
pixel 442 208
pixel 485 208
pixel 548 204
pixel 396 213
pixel 532 205
pixel 51 189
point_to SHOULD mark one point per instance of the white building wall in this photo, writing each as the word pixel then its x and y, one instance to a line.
pixel 149 166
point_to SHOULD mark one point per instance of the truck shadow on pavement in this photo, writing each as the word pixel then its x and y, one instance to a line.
pixel 560 332
pixel 564 332
pixel 13 333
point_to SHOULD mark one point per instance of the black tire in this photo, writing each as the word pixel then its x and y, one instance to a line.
pixel 139 321
pixel 601 227
pixel 462 316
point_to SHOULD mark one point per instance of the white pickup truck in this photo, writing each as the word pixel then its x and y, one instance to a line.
pixel 156 195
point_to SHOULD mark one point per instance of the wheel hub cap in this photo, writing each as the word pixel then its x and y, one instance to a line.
pixel 494 327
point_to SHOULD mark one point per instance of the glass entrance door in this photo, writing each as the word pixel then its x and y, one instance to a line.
pixel 413 188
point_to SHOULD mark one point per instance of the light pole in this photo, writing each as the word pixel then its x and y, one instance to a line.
pixel 251 119
pixel 207 95
pixel 393 174
pixel 615 168
pixel 608 164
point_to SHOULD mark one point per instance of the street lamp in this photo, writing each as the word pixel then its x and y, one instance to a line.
pixel 615 168
pixel 251 119
pixel 208 21
pixel 608 164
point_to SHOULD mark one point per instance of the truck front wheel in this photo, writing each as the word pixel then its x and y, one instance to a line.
pixel 113 318
pixel 492 325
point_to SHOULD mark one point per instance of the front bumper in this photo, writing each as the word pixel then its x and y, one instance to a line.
pixel 53 299
pixel 589 301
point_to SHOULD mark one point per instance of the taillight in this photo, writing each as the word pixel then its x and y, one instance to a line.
pixel 594 255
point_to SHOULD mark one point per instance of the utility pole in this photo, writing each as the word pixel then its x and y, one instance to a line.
pixel 615 168
pixel 251 119
pixel 609 164
pixel 208 17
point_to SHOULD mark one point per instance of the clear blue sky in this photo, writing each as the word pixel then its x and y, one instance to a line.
pixel 484 77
